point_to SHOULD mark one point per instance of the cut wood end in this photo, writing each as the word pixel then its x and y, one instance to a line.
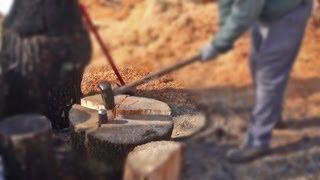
pixel 148 157
pixel 131 106
pixel 96 102
pixel 24 125
pixel 82 118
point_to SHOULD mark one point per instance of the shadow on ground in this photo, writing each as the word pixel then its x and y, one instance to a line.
pixel 227 110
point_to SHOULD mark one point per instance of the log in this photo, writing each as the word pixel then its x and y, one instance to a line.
pixel 112 143
pixel 161 160
pixel 137 121
pixel 26 147
pixel 45 48
pixel 82 120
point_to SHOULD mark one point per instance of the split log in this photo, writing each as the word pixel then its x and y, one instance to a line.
pixel 26 147
pixel 161 160
pixel 45 48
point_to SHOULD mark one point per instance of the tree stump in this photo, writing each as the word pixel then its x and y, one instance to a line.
pixel 161 160
pixel 45 48
pixel 113 142
pixel 82 120
pixel 26 147
pixel 137 121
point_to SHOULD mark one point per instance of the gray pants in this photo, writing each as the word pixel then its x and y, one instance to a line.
pixel 275 48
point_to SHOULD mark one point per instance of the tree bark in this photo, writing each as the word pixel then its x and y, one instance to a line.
pixel 2 92
pixel 45 50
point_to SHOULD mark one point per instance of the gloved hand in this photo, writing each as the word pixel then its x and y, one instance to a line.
pixel 208 52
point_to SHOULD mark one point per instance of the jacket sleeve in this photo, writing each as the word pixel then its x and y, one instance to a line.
pixel 224 10
pixel 243 14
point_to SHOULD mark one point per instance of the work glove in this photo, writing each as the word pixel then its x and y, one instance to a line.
pixel 208 52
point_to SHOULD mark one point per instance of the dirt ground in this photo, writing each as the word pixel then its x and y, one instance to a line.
pixel 144 36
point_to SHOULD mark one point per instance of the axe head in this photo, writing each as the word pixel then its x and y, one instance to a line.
pixel 107 95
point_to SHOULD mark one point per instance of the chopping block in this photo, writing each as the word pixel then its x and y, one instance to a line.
pixel 134 121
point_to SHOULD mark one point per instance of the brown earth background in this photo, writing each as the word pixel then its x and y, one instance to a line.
pixel 146 35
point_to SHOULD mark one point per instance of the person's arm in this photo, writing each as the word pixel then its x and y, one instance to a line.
pixel 225 7
pixel 243 14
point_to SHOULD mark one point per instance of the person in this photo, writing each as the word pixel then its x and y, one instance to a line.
pixel 278 28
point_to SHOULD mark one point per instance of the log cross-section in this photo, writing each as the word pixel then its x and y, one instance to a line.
pixel 161 160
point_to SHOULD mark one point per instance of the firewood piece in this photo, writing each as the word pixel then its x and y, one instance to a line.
pixel 155 161
pixel 27 147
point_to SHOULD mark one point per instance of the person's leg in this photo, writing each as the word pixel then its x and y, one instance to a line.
pixel 259 35
pixel 271 66
pixel 257 38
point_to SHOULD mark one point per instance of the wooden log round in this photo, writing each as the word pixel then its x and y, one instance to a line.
pixel 82 120
pixel 131 107
pixel 45 48
pixel 26 147
pixel 161 160
pixel 140 120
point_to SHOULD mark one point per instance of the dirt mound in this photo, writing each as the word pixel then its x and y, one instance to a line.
pixel 156 33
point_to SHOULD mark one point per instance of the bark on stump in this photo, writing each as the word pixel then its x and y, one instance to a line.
pixel 138 121
pixel 161 160
pixel 3 91
pixel 45 48
pixel 26 147
pixel 82 120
